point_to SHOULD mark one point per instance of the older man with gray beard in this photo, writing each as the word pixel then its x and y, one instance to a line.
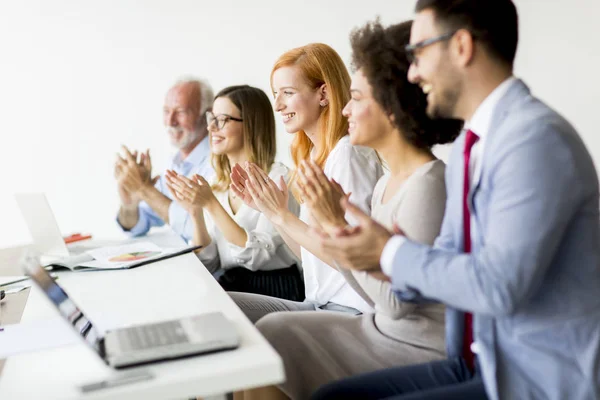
pixel 146 201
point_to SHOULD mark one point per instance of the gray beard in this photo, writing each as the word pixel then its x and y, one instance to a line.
pixel 186 139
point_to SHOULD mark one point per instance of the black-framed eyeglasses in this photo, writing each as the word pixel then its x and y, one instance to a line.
pixel 412 48
pixel 220 120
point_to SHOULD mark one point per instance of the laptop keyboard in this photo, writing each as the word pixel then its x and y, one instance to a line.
pixel 151 336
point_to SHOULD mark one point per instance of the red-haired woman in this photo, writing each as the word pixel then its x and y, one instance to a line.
pixel 310 85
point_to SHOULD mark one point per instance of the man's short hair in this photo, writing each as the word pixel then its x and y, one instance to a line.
pixel 494 23
pixel 207 95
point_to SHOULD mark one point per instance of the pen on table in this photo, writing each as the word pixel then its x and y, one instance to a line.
pixel 15 281
pixel 5 284
pixel 76 237
pixel 196 248
pixel 2 294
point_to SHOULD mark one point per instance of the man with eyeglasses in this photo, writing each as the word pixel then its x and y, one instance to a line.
pixel 145 200
pixel 517 261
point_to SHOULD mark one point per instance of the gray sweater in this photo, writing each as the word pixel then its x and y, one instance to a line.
pixel 418 208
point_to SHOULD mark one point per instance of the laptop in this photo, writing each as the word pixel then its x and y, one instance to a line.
pixel 141 344
pixel 42 225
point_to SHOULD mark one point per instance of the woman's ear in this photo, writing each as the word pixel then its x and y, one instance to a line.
pixel 391 119
pixel 324 100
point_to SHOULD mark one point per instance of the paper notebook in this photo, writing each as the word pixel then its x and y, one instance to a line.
pixel 121 257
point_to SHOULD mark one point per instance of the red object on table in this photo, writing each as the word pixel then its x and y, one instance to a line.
pixel 76 237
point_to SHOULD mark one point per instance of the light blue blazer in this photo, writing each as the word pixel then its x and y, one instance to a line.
pixel 533 277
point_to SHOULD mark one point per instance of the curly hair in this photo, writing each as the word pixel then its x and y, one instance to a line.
pixel 379 53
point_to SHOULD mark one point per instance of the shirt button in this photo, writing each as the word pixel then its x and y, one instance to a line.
pixel 475 348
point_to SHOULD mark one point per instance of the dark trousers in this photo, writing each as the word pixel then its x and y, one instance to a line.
pixel 285 283
pixel 440 380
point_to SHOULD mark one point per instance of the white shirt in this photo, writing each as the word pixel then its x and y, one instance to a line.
pixel 480 125
pixel 265 249
pixel 357 169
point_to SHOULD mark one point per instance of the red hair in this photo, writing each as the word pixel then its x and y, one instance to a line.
pixel 320 64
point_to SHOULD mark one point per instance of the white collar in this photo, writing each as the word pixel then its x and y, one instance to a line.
pixel 482 118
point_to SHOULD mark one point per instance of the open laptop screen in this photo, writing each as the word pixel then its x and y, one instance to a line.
pixel 61 300
pixel 42 224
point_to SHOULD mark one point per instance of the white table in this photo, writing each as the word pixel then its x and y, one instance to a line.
pixel 168 289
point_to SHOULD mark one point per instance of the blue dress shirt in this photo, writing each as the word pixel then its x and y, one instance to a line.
pixel 197 162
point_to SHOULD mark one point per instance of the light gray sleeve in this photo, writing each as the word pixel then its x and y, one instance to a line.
pixel 533 192
pixel 422 210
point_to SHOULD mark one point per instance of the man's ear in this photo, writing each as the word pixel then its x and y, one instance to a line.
pixel 463 47
pixel 323 96
pixel 201 122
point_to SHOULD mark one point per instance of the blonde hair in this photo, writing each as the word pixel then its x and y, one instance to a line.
pixel 258 131
pixel 319 64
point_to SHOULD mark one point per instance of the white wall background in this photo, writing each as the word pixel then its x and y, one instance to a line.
pixel 79 78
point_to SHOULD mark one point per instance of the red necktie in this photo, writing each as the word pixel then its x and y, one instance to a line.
pixel 470 140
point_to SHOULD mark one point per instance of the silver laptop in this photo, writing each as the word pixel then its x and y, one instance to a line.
pixel 143 343
pixel 42 225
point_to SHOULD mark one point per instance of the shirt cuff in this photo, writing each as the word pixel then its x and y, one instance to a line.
pixel 208 252
pixel 389 251
pixel 140 228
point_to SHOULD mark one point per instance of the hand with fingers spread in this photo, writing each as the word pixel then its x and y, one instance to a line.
pixel 269 199
pixel 238 177
pixel 132 175
pixel 145 164
pixel 358 247
pixel 192 194
pixel 322 196
pixel 127 198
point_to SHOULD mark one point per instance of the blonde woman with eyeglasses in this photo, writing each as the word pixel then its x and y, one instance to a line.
pixel 240 246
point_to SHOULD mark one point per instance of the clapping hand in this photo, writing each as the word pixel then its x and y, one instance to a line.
pixel 322 196
pixel 133 173
pixel 192 194
pixel 358 247
pixel 238 177
pixel 269 199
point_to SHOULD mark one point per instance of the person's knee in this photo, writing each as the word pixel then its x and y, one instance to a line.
pixel 241 300
pixel 273 326
pixel 250 305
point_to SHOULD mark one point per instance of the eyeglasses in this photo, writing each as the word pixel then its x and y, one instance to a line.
pixel 411 48
pixel 220 120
